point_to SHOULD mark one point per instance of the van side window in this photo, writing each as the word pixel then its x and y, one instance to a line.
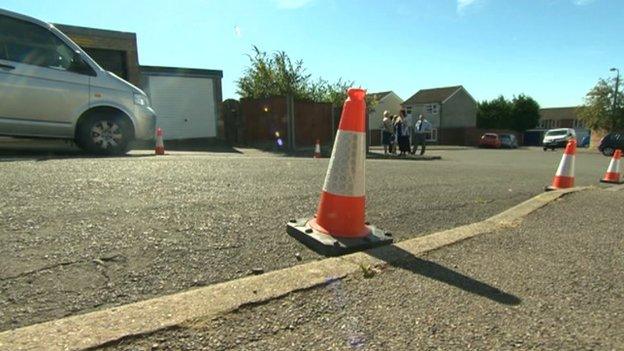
pixel 31 44
pixel 3 48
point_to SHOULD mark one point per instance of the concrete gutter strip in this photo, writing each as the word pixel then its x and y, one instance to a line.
pixel 616 188
pixel 517 212
pixel 101 327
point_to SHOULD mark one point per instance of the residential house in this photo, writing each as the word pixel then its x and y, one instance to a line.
pixel 387 101
pixel 452 112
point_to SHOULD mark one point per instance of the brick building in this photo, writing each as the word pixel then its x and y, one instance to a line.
pixel 114 51
pixel 563 117
pixel 560 117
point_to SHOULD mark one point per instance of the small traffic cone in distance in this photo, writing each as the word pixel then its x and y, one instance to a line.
pixel 160 146
pixel 564 178
pixel 613 172
pixel 317 149
pixel 339 226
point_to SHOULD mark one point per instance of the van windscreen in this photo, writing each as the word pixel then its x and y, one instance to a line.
pixel 556 132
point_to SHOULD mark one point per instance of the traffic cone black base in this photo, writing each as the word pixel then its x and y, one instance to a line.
pixel 328 245
pixel 611 181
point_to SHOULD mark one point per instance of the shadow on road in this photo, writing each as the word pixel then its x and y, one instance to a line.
pixel 400 258
pixel 199 145
pixel 12 155
pixel 20 149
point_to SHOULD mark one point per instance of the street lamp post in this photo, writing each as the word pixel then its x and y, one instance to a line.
pixel 617 83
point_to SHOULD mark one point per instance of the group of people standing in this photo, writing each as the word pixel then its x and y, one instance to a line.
pixel 404 132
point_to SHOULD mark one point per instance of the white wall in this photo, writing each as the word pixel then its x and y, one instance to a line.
pixel 392 104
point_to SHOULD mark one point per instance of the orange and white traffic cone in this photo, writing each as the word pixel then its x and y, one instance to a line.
pixel 564 178
pixel 317 149
pixel 160 145
pixel 613 172
pixel 339 225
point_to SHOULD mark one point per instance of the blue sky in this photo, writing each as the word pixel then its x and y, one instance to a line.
pixel 553 50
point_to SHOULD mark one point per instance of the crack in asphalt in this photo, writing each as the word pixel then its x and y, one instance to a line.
pixel 113 258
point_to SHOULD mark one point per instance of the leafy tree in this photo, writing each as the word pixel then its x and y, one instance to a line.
pixel 598 112
pixel 524 113
pixel 494 114
pixel 273 75
pixel 519 114
pixel 277 75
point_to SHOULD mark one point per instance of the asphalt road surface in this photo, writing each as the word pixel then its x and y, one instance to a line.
pixel 555 282
pixel 79 234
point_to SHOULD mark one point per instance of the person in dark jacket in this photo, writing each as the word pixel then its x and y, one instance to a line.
pixel 402 132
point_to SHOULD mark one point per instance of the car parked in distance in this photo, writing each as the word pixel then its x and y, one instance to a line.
pixel 584 142
pixel 50 88
pixel 490 140
pixel 508 141
pixel 611 142
pixel 555 138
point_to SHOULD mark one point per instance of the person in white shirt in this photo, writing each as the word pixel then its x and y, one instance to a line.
pixel 422 128
pixel 410 122
pixel 387 129
pixel 402 133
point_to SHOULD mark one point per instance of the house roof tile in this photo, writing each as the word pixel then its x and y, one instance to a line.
pixel 380 95
pixel 425 96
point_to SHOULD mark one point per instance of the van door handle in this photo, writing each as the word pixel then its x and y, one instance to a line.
pixel 7 67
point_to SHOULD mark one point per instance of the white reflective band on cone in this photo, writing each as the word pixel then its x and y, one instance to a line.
pixel 345 175
pixel 566 167
pixel 614 166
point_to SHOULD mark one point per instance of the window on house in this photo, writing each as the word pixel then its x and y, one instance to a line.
pixel 578 124
pixel 432 135
pixel 431 109
pixel 549 124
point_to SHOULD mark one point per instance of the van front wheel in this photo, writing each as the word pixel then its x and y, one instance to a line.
pixel 105 135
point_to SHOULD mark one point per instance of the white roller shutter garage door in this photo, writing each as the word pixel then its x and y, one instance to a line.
pixel 184 106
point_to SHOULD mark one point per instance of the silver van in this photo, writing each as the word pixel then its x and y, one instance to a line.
pixel 50 88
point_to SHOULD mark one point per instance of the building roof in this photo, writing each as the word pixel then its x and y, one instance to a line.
pixel 380 95
pixel 425 96
pixel 67 29
pixel 178 71
pixel 559 113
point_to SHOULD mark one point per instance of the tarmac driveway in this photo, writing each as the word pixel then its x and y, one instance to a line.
pixel 78 234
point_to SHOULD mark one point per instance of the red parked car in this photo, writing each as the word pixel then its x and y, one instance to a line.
pixel 490 140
